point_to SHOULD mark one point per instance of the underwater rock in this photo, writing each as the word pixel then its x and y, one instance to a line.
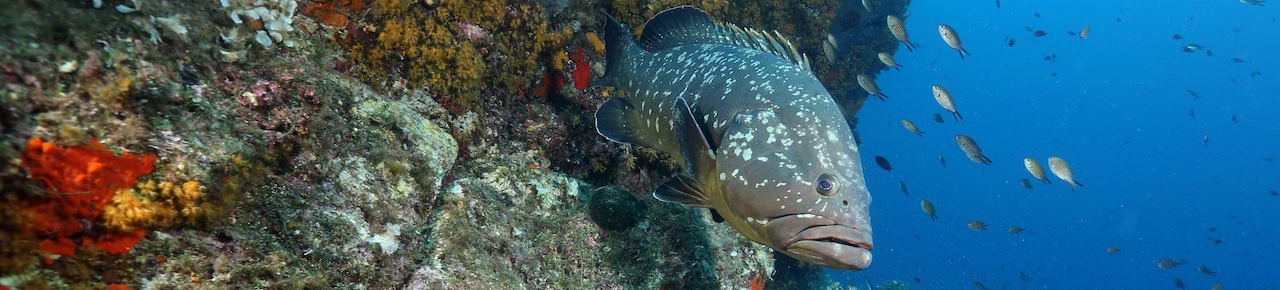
pixel 614 209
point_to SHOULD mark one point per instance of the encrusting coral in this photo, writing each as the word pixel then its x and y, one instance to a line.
pixel 452 47
pixel 151 205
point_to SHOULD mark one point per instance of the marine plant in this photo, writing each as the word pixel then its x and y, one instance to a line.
pixel 461 50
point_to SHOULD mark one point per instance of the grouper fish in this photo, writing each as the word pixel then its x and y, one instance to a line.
pixel 761 141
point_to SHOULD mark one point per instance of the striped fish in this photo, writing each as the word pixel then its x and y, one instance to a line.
pixel 952 38
pixel 829 48
pixel 1036 169
pixel 762 142
pixel 943 96
pixel 1063 171
pixel 868 84
pixel 971 149
pixel 887 59
pixel 911 126
pixel 899 30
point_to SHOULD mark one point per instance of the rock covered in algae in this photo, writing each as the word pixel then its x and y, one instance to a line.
pixel 614 208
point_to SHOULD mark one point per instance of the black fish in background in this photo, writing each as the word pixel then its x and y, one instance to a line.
pixel 997 4
pixel 942 160
pixel 1012 41
pixel 1236 60
pixel 1177 37
pixel 884 163
pixel 938 118
pixel 1039 33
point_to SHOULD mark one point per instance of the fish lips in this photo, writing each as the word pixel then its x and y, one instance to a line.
pixel 820 240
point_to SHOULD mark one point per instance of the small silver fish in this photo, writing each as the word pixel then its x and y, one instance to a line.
pixel 1205 270
pixel 977 225
pixel 899 30
pixel 867 4
pixel 911 127
pixel 887 59
pixel 942 160
pixel 1084 32
pixel 1206 140
pixel 1169 263
pixel 903 187
pixel 971 149
pixel 944 99
pixel 1063 171
pixel 829 48
pixel 952 38
pixel 1036 169
pixel 1252 2
pixel 868 84
pixel 927 207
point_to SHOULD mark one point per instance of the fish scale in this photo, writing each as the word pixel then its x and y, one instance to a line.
pixel 762 142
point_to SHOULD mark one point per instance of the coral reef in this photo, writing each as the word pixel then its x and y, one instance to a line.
pixel 393 144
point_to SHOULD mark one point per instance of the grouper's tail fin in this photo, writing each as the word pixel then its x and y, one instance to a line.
pixel 619 47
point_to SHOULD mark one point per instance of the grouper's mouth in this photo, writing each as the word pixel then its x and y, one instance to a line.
pixel 820 240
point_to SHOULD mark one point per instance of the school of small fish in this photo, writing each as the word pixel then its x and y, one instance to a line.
pixel 1038 167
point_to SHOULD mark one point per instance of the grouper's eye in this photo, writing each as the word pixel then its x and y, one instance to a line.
pixel 827 184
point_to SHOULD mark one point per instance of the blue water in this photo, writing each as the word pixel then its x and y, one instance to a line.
pixel 1155 198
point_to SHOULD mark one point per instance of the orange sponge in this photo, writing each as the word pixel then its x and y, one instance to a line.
pixel 80 181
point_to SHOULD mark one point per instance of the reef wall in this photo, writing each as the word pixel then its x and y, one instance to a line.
pixel 420 144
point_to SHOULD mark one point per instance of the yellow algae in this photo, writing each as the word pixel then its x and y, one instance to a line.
pixel 558 60
pixel 594 39
pixel 424 44
pixel 150 204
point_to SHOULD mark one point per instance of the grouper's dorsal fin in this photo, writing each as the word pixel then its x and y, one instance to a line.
pixel 686 25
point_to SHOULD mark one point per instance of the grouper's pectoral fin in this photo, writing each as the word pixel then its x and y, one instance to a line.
pixel 699 161
pixel 684 190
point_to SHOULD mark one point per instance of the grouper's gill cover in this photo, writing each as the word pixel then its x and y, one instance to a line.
pixel 761 140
